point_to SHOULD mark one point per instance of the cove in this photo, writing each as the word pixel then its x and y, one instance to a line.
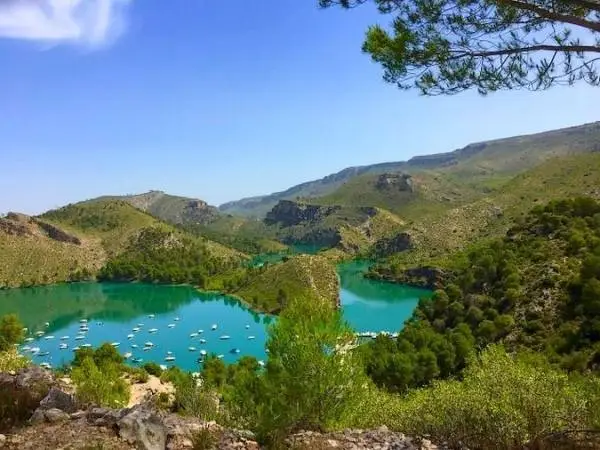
pixel 176 312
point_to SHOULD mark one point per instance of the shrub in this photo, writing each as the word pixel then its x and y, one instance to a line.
pixel 100 385
pixel 312 380
pixel 502 403
pixel 11 360
pixel 11 331
pixel 195 400
pixel 137 374
pixel 153 369
pixel 203 439
pixel 103 356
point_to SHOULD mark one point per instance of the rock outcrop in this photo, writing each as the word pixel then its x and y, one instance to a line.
pixel 288 213
pixel 394 244
pixel 397 181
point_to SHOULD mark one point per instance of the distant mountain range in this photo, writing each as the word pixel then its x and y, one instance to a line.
pixel 501 158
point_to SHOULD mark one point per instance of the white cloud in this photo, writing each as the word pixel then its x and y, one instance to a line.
pixel 87 22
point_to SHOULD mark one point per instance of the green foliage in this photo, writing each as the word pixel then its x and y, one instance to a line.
pixel 270 287
pixel 152 369
pixel 100 384
pixel 312 379
pixel 502 403
pixel 203 439
pixel 104 356
pixel 136 374
pixel 11 331
pixel 535 288
pixel 450 46
pixel 159 255
pixel 10 360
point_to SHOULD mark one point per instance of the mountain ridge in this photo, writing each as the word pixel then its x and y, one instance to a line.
pixel 563 141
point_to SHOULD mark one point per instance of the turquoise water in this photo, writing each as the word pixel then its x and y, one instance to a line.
pixel 114 310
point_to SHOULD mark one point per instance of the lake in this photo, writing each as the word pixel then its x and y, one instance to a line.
pixel 182 317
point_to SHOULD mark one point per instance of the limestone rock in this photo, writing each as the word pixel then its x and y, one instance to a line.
pixel 144 428
pixel 54 415
pixel 60 400
pixel 2 440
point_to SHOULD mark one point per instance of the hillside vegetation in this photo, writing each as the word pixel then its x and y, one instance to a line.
pixel 271 287
pixel 74 242
pixel 170 208
pixel 537 288
pixel 438 234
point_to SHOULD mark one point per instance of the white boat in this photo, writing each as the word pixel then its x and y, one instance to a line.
pixel 225 337
pixel 261 363
pixel 127 355
pixel 29 339
pixel 214 327
pixel 193 335
pixel 171 325
pixel 115 344
pixel 34 350
pixel 147 349
pixel 26 348
pixel 140 325
pixel 221 356
pixel 203 341
pixel 63 346
pixel 64 338
pixel 200 331
pixel 47 324
pixel 79 337
pixel 169 358
pixel 40 333
pixel 203 352
pixel 136 329
pixel 83 321
pixel 45 365
pixel 86 345
pixel 44 353
pixel 176 319
pixel 84 329
pixel 163 367
pixel 137 360
pixel 234 350
pixel 75 349
pixel 251 337
pixel 134 346
pixel 169 353
pixel 148 344
pixel 130 336
pixel 150 316
pixel 25 329
pixel 48 337
pixel 152 330
pixel 247 326
pixel 192 349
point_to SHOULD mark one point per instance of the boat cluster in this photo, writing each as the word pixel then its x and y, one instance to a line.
pixel 148 346
pixel 373 334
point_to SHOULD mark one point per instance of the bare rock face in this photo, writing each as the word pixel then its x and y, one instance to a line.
pixel 397 181
pixel 144 428
pixel 57 399
pixel 289 213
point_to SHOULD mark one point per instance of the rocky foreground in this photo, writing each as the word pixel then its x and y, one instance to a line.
pixel 57 421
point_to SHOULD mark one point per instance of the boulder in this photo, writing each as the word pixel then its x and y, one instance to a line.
pixel 144 428
pixel 34 378
pixel 54 415
pixel 59 400
pixel 2 440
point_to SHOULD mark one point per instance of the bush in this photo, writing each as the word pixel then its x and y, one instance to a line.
pixel 153 369
pixel 11 331
pixel 312 381
pixel 203 439
pixel 137 374
pixel 100 385
pixel 195 400
pixel 502 403
pixel 11 360
pixel 104 356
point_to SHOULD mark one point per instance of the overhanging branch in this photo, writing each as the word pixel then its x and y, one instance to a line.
pixel 532 48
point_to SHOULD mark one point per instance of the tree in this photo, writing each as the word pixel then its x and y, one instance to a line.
pixel 449 46
pixel 11 331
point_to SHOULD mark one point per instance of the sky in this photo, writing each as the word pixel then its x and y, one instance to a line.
pixel 219 100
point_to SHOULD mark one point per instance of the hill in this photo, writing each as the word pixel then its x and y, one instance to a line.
pixel 75 241
pixel 440 233
pixel 171 208
pixel 308 277
pixel 350 229
pixel 478 166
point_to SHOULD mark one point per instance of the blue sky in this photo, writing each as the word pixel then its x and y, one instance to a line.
pixel 219 100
